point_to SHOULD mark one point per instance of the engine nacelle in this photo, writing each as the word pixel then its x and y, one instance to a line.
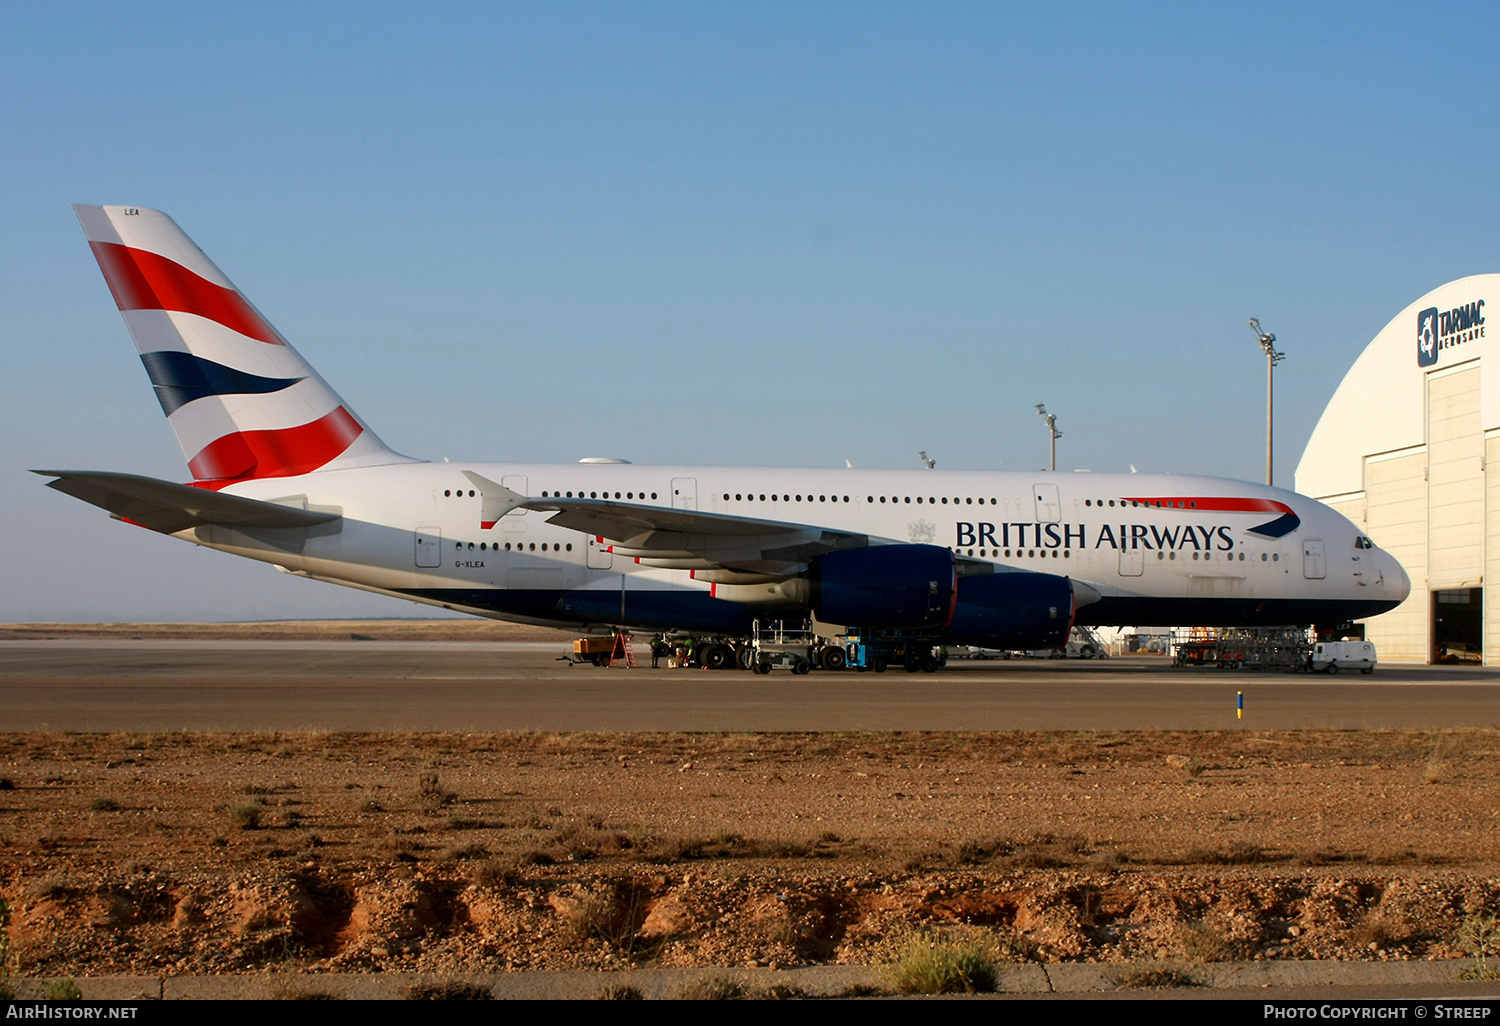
pixel 884 586
pixel 1013 610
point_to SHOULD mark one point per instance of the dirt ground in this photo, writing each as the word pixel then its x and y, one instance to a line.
pixel 201 853
pixel 217 853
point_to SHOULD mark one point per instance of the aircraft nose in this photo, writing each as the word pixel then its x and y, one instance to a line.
pixel 1396 578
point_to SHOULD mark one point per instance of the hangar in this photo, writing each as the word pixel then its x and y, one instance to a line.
pixel 1409 448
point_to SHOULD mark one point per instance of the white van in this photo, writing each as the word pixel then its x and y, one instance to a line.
pixel 1333 656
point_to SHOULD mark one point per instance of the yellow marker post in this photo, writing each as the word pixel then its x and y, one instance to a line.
pixel 1239 705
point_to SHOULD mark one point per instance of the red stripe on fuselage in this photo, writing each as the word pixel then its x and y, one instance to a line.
pixel 286 452
pixel 141 280
pixel 1213 503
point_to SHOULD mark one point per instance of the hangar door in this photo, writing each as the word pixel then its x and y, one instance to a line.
pixel 1455 480
pixel 1455 504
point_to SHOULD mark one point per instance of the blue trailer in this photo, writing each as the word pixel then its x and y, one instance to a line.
pixel 877 649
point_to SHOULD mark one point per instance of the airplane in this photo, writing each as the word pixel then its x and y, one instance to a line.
pixel 285 472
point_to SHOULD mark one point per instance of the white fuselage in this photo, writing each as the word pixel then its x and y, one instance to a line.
pixel 1157 549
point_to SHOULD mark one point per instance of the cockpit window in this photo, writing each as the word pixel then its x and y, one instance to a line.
pixel 1363 543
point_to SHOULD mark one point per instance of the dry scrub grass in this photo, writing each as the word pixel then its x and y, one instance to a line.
pixel 940 962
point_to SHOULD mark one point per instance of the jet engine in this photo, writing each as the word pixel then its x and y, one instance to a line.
pixel 1015 609
pixel 909 586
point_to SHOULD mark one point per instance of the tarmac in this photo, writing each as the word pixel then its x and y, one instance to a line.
pixel 156 685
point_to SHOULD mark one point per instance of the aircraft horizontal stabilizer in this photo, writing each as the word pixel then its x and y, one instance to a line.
pixel 169 508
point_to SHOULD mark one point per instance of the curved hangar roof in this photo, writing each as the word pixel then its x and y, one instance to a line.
pixel 1381 405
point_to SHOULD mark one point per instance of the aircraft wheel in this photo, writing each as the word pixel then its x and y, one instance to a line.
pixel 717 657
pixel 746 657
pixel 834 659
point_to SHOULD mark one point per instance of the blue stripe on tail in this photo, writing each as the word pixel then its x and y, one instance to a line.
pixel 180 378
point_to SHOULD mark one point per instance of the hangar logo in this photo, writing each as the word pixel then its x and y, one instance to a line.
pixel 1440 329
pixel 1427 351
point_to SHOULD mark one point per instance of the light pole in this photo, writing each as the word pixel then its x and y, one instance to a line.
pixel 1041 409
pixel 1268 345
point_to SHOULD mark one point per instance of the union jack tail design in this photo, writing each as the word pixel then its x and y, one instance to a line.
pixel 242 401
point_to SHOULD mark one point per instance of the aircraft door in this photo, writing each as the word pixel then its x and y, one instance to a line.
pixel 1048 505
pixel 598 556
pixel 514 522
pixel 429 545
pixel 1314 560
pixel 684 493
pixel 1132 562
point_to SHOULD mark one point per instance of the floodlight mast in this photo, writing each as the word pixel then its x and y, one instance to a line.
pixel 1041 409
pixel 1268 345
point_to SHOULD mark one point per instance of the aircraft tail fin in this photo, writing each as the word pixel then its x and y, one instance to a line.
pixel 243 403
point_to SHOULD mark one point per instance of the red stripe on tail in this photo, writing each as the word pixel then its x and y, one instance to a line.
pixel 285 452
pixel 141 280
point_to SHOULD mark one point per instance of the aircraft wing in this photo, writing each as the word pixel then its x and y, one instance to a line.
pixel 679 539
pixel 169 508
pixel 688 539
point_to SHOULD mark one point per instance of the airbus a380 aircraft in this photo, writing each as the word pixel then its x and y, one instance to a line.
pixel 285 472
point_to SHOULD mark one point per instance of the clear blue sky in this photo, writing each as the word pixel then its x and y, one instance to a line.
pixel 783 233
